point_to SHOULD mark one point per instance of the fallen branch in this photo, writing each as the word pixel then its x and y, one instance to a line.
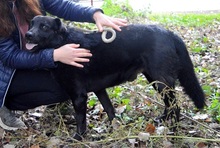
pixel 206 126
pixel 153 136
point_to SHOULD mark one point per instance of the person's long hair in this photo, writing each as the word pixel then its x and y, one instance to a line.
pixel 27 9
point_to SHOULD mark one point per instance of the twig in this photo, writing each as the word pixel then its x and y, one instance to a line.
pixel 81 143
pixel 153 136
pixel 61 123
pixel 206 126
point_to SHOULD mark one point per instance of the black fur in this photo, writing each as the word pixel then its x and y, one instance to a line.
pixel 149 49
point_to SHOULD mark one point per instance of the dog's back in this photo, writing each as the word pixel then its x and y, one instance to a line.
pixel 134 43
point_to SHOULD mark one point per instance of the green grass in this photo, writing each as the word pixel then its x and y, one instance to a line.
pixel 116 8
pixel 187 19
pixel 123 9
pixel 119 8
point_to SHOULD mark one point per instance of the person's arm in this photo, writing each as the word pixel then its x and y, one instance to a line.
pixel 76 12
pixel 70 11
pixel 70 54
pixel 12 56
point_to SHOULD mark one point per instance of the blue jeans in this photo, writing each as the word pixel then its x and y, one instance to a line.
pixel 33 88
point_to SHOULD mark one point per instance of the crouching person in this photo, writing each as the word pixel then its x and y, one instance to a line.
pixel 25 82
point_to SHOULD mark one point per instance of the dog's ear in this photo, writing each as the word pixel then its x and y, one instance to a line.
pixel 60 27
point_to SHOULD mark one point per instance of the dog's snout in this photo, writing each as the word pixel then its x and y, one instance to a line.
pixel 29 35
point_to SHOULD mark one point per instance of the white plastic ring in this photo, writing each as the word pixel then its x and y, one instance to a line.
pixel 104 33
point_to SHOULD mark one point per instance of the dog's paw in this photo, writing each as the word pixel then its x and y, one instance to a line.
pixel 78 137
pixel 160 119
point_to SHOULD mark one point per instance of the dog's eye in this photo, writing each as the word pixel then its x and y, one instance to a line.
pixel 44 27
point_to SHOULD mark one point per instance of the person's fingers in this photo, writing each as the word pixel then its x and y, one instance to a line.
pixel 82 54
pixel 99 26
pixel 109 24
pixel 81 60
pixel 74 45
pixel 76 64
pixel 114 23
pixel 81 50
pixel 119 22
pixel 122 20
pixel 76 48
pixel 116 27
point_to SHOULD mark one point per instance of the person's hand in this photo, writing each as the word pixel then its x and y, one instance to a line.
pixel 71 54
pixel 104 20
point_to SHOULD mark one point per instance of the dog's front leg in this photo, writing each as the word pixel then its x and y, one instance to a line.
pixel 106 103
pixel 79 103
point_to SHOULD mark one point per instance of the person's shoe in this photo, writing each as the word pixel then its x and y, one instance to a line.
pixel 9 121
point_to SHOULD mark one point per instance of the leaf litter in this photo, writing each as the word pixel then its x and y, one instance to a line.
pixel 134 126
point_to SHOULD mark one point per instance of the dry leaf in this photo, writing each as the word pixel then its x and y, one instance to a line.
pixel 200 117
pixel 147 101
pixel 35 146
pixel 150 128
pixel 116 123
pixel 132 142
pixel 161 129
pixel 9 146
pixel 143 136
pixel 167 144
pixel 201 145
pixel 120 109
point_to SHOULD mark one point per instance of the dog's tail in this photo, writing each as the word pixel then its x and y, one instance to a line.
pixel 187 76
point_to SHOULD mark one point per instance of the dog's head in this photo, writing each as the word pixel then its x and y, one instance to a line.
pixel 44 32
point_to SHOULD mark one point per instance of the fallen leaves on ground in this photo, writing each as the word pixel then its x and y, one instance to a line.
pixel 134 127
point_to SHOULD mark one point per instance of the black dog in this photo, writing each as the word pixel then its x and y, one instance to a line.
pixel 157 53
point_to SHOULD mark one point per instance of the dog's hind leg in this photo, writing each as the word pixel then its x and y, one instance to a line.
pixel 172 110
pixel 106 103
pixel 165 88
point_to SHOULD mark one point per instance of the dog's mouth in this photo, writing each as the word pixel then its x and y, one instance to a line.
pixel 30 46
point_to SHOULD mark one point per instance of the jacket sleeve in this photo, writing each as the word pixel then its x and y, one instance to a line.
pixel 13 57
pixel 69 10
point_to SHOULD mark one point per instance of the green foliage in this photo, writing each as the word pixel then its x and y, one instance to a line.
pixel 92 102
pixel 207 89
pixel 126 102
pixel 202 69
pixel 117 8
pixel 197 49
pixel 115 92
pixel 214 108
pixel 187 19
pixel 122 9
pixel 201 44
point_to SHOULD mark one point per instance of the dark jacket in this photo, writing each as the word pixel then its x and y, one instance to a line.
pixel 12 56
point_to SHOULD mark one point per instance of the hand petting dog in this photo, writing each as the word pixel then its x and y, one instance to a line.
pixel 71 54
pixel 102 20
pixel 78 55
